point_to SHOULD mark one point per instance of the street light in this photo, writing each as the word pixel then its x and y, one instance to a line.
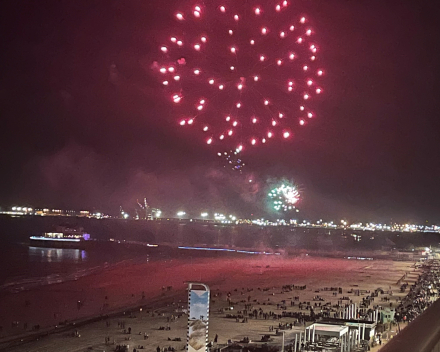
pixel 204 215
pixel 218 216
pixel 181 213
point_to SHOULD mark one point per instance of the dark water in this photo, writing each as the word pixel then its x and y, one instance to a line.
pixel 24 267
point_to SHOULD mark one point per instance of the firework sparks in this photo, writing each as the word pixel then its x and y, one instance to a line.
pixel 284 197
pixel 232 160
pixel 258 66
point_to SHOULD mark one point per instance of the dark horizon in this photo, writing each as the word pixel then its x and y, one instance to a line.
pixel 85 125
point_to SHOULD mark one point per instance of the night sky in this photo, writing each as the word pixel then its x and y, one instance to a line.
pixel 85 125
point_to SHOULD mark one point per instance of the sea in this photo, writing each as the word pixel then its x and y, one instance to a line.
pixel 24 267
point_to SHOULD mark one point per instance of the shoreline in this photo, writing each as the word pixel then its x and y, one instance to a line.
pixel 222 274
pixel 120 288
pixel 167 252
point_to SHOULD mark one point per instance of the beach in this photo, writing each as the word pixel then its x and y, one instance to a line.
pixel 142 284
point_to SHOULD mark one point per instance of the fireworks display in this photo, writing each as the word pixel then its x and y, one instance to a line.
pixel 284 197
pixel 242 75
pixel 232 160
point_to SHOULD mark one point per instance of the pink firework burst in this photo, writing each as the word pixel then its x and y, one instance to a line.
pixel 239 74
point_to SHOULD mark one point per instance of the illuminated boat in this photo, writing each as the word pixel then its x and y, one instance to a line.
pixel 64 237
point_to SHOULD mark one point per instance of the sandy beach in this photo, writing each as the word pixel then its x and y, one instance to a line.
pixel 126 285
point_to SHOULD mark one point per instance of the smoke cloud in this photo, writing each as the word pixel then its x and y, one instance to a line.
pixel 78 177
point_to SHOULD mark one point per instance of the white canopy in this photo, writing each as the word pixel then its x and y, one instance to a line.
pixel 329 329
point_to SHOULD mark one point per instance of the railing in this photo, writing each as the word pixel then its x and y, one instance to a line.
pixel 421 335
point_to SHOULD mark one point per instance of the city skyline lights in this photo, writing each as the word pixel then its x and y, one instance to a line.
pixel 226 219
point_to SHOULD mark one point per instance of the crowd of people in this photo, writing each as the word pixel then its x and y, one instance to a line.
pixel 280 308
pixel 421 294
